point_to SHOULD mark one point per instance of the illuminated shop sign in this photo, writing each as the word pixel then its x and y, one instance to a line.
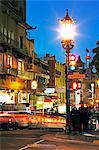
pixel 49 90
pixel 7 98
pixel 23 97
pixel 34 85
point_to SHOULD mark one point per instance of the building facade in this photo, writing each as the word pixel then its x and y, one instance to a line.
pixel 57 78
pixel 14 55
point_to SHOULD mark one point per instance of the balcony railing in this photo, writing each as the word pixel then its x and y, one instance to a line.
pixel 8 5
pixel 9 71
pixel 26 75
pixel 34 68
pixel 6 40
pixel 37 69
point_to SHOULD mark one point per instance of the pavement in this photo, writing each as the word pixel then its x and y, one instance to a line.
pixel 91 137
pixel 63 141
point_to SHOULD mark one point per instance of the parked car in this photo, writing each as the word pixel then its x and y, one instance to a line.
pixel 7 122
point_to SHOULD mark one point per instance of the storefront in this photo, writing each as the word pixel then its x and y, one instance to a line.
pixel 14 93
pixel 23 97
pixel 7 97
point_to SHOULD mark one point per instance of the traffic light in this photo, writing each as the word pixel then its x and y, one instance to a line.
pixel 72 61
pixel 76 85
pixel 79 84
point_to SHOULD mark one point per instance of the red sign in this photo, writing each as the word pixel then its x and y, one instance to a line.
pixel 76 76
pixel 74 85
pixel 79 85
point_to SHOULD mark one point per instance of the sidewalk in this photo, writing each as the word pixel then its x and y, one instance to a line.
pixel 91 137
pixel 86 138
pixel 62 141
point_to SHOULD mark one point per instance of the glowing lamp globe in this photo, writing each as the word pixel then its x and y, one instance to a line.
pixel 34 85
pixel 67 30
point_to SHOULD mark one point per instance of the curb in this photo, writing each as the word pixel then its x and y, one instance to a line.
pixel 64 139
pixel 94 140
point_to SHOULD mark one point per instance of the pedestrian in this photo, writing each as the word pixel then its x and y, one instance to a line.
pixel 87 118
pixel 84 118
pixel 75 120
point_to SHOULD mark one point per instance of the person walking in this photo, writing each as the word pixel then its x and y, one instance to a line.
pixel 75 120
pixel 84 117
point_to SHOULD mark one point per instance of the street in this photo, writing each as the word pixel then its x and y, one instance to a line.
pixel 13 140
pixel 37 139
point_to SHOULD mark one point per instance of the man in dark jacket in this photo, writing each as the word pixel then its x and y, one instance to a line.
pixel 84 116
pixel 75 119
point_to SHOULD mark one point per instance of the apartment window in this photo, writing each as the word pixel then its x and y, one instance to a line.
pixel 12 2
pixel 1 28
pixel 12 37
pixel 1 61
pixel 19 67
pixel 21 12
pixel 21 42
pixel 5 34
pixel 1 31
pixel 9 37
pixel 9 63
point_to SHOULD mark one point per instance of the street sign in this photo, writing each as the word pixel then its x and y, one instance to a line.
pixel 76 75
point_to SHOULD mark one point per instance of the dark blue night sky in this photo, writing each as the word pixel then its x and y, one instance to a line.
pixel 45 14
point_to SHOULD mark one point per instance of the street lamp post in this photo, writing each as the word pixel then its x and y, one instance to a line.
pixel 34 85
pixel 67 44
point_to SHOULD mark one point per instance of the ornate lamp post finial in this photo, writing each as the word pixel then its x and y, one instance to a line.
pixel 66 12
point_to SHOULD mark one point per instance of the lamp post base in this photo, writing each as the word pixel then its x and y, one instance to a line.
pixel 68 129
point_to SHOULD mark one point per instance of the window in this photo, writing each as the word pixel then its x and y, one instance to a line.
pixel 5 34
pixel 21 12
pixel 1 28
pixel 19 67
pixel 9 63
pixel 12 37
pixel 12 2
pixel 1 31
pixel 21 42
pixel 9 38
